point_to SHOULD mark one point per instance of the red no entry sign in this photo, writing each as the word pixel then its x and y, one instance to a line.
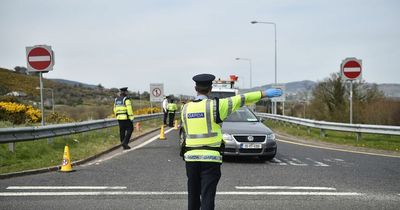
pixel 39 58
pixel 351 68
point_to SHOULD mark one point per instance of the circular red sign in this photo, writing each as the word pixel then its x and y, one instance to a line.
pixel 39 58
pixel 156 92
pixel 352 69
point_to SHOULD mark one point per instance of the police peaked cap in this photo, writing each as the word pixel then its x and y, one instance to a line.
pixel 204 80
pixel 123 89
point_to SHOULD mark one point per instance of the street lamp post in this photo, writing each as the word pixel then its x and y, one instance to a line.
pixel 249 60
pixel 276 61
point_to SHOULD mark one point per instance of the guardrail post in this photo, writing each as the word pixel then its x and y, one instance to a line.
pixel 11 147
pixel 358 136
pixel 308 130
pixel 322 133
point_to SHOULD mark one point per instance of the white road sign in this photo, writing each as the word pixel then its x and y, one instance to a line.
pixel 156 92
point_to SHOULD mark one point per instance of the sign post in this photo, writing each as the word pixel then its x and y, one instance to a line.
pixel 40 58
pixel 281 99
pixel 351 69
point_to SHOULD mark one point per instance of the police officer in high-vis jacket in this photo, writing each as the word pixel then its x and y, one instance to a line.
pixel 172 108
pixel 124 113
pixel 202 150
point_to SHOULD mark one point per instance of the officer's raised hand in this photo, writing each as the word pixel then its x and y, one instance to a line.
pixel 273 92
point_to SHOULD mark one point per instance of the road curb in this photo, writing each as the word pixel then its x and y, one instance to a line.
pixel 75 163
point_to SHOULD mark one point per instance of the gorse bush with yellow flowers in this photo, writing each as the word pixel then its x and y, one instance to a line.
pixel 147 110
pixel 19 113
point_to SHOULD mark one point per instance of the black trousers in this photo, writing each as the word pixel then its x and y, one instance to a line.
pixel 125 131
pixel 202 184
pixel 171 117
pixel 165 117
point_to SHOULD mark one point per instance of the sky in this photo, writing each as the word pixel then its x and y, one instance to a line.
pixel 135 43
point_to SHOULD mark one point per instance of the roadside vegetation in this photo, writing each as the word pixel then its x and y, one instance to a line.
pixel 329 101
pixel 49 152
pixel 374 141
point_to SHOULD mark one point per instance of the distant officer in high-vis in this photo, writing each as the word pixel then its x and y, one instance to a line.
pixel 202 149
pixel 164 107
pixel 172 107
pixel 124 113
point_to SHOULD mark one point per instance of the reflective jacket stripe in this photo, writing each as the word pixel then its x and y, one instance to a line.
pixel 229 106
pixel 242 100
pixel 207 158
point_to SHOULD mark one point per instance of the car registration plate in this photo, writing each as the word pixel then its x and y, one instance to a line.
pixel 250 146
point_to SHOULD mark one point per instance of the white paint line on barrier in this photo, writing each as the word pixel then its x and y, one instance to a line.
pixel 283 188
pixel 66 188
pixel 140 193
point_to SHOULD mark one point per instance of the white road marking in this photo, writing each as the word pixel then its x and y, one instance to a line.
pixel 341 150
pixel 299 163
pixel 279 162
pixel 283 188
pixel 97 162
pixel 139 193
pixel 65 188
pixel 317 163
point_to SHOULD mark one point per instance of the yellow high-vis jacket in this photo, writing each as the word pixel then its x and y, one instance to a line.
pixel 172 107
pixel 123 108
pixel 201 121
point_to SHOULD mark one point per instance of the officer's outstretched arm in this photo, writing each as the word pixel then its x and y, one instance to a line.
pixel 229 105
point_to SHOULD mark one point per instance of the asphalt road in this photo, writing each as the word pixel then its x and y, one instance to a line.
pixel 152 176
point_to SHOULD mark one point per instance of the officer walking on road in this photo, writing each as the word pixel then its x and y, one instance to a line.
pixel 172 107
pixel 124 113
pixel 202 149
pixel 165 109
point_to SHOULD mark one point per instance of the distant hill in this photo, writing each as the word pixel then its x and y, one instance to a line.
pixel 297 90
pixel 82 93
pixel 65 92
pixel 73 83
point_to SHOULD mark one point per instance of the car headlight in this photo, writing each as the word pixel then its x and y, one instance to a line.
pixel 271 136
pixel 227 137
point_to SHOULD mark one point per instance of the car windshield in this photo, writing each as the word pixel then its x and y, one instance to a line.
pixel 242 115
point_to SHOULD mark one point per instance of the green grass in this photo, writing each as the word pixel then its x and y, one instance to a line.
pixel 375 141
pixel 40 154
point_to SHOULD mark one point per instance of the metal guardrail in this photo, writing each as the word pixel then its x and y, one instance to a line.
pixel 12 135
pixel 323 125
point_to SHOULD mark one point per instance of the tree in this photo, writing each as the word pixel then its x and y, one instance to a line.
pixel 21 70
pixel 328 101
pixel 331 99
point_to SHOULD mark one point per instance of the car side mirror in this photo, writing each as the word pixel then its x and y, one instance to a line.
pixel 262 119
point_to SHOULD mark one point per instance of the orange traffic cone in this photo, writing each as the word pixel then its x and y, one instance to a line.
pixel 162 135
pixel 137 126
pixel 66 162
pixel 176 125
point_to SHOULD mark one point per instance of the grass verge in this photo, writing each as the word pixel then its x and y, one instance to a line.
pixel 375 141
pixel 40 154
